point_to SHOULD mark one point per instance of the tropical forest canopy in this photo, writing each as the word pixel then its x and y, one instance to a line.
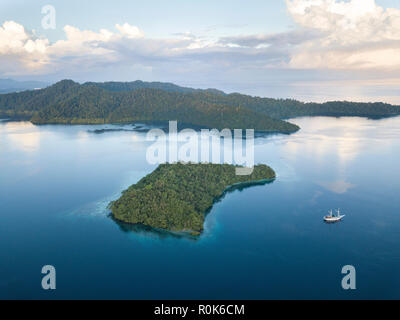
pixel 176 196
pixel 117 102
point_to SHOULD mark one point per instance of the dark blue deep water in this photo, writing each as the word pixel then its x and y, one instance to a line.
pixel 264 242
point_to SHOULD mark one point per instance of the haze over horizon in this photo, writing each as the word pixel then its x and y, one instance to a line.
pixel 310 50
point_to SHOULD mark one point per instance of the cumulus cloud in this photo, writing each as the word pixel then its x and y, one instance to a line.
pixel 85 49
pixel 328 34
pixel 356 34
pixel 18 48
pixel 130 31
pixel 22 52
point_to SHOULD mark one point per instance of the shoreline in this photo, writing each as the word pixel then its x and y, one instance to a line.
pixel 157 124
pixel 193 233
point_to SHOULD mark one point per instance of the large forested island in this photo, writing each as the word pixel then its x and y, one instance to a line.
pixel 176 197
pixel 68 102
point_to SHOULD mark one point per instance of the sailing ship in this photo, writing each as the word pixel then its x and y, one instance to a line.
pixel 331 218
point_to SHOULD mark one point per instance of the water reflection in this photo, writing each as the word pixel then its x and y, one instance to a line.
pixel 339 137
pixel 272 231
pixel 339 186
pixel 365 90
pixel 24 136
pixel 341 141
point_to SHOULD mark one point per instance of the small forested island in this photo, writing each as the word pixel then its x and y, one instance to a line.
pixel 176 197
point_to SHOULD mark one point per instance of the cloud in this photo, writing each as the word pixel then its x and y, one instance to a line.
pixel 337 35
pixel 130 31
pixel 291 38
pixel 22 52
pixel 356 34
pixel 19 49
pixel 331 35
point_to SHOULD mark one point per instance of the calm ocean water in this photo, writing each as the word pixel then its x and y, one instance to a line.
pixel 264 242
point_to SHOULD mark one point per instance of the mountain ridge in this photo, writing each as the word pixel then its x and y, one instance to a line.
pixel 69 102
pixel 10 85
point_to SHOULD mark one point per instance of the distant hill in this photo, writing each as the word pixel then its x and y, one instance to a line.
pixel 134 85
pixel 90 103
pixel 110 102
pixel 9 85
pixel 274 108
pixel 289 108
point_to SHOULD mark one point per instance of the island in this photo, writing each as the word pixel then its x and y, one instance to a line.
pixel 68 102
pixel 176 197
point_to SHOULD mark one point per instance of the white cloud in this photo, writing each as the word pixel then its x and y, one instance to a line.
pixel 130 31
pixel 22 52
pixel 84 50
pixel 20 49
pixel 356 34
pixel 329 34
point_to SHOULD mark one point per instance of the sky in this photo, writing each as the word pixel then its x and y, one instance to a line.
pixel 312 50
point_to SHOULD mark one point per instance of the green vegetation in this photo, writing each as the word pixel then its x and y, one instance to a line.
pixel 69 102
pixel 274 108
pixel 134 85
pixel 289 108
pixel 176 197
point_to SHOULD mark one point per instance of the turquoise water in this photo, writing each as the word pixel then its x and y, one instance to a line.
pixel 264 242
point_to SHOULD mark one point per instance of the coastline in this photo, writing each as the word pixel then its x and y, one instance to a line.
pixel 194 233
